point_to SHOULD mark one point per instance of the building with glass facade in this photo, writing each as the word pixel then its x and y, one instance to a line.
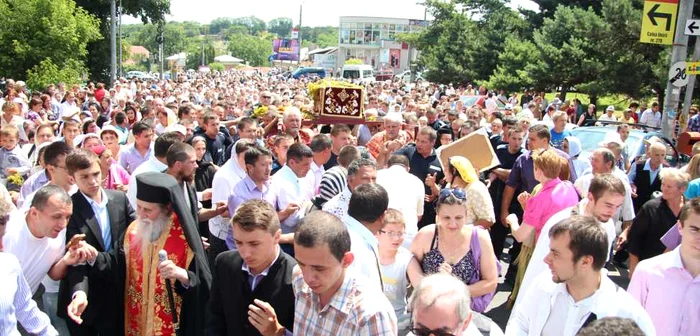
pixel 373 40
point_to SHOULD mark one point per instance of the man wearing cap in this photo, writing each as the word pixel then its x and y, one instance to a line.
pixel 164 223
pixel 608 116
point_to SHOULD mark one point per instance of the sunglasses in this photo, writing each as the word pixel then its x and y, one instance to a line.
pixel 456 192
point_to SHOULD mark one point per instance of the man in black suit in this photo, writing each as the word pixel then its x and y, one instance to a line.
pixel 102 216
pixel 255 282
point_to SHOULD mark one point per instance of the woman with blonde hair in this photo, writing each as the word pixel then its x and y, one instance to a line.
pixel 693 167
pixel 460 173
pixel 550 196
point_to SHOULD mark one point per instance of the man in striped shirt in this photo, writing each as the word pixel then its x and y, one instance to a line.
pixel 329 299
pixel 334 180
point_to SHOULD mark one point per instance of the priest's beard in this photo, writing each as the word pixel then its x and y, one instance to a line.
pixel 150 230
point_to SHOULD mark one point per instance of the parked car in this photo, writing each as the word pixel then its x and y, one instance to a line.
pixel 309 72
pixel 361 73
pixel 591 136
pixel 384 75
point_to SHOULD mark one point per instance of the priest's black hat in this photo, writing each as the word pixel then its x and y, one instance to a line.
pixel 154 187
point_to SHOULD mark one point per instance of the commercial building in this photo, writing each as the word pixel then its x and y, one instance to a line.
pixel 373 40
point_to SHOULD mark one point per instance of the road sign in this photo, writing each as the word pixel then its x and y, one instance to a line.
pixel 692 27
pixel 659 21
pixel 693 68
pixel 295 33
pixel 678 75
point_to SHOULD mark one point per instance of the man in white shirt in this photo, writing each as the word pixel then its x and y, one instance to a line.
pixel 359 172
pixel 604 198
pixel 652 116
pixel 232 172
pixel 294 191
pixel 156 163
pixel 321 147
pixel 576 292
pixel 406 193
pixel 365 214
pixel 603 162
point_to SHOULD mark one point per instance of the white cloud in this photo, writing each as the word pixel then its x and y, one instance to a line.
pixel 315 12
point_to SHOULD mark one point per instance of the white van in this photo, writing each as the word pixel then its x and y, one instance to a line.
pixel 362 73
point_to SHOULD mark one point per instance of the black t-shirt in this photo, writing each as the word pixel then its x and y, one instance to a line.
pixel 507 160
pixel 332 162
pixel 654 219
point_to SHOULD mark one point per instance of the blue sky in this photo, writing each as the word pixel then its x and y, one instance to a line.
pixel 315 12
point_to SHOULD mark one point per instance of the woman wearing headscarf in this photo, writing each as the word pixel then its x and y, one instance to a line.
pixel 460 173
pixel 572 146
pixel 203 178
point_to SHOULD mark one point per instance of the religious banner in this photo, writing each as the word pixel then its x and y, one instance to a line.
pixel 475 147
pixel 333 99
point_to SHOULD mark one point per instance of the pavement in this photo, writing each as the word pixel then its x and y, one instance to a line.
pixel 497 310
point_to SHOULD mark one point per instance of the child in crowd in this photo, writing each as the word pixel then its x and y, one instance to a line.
pixel 394 260
pixel 13 160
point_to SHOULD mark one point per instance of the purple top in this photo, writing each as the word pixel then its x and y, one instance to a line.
pixel 522 175
pixel 555 195
pixel 247 190
pixel 672 238
pixel 130 158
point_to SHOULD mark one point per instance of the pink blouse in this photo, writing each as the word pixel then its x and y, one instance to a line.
pixel 555 195
pixel 116 175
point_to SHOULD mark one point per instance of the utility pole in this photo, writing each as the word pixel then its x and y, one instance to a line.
pixel 119 32
pixel 160 39
pixel 113 42
pixel 687 101
pixel 301 6
pixel 680 53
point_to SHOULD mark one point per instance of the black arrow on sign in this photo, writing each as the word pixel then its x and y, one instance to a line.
pixel 653 15
pixel 692 27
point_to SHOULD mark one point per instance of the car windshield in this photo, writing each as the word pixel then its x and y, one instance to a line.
pixel 591 139
pixel 351 74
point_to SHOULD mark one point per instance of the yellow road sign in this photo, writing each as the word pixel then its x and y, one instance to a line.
pixel 659 21
pixel 693 68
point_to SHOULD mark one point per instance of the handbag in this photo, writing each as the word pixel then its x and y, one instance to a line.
pixel 479 303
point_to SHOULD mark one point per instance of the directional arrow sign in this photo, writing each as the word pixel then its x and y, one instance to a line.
pixel 659 21
pixel 692 27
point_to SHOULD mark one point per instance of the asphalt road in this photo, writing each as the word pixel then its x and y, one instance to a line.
pixel 497 310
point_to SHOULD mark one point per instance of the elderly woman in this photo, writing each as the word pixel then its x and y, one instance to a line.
pixel 572 146
pixel 460 173
pixel 454 247
pixel 656 217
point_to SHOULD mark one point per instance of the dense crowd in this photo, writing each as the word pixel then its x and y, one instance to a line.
pixel 216 204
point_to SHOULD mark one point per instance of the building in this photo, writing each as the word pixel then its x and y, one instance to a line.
pixel 373 40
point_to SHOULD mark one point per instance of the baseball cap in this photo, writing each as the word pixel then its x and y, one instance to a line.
pixel 610 108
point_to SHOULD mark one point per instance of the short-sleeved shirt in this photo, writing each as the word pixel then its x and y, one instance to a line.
pixel 558 138
pixel 422 166
pixel 555 195
pixel 651 223
pixel 522 175
pixel 479 203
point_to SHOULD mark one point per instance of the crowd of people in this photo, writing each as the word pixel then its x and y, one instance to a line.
pixel 215 205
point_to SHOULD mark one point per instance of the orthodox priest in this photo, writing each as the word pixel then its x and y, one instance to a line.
pixel 164 223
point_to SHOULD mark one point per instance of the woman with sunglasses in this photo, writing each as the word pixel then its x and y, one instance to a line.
pixel 460 173
pixel 453 247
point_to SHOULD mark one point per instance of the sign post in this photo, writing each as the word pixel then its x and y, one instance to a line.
pixel 680 53
pixel 659 21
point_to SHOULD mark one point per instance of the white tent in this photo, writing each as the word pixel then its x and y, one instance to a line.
pixel 228 59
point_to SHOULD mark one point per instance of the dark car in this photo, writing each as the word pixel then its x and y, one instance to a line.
pixel 591 136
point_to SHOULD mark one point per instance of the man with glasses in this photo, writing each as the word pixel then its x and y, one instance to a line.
pixel 441 307
pixel 694 121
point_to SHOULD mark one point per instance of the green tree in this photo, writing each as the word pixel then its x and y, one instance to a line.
pixel 281 27
pixel 510 74
pixel 324 40
pixel 570 53
pixel 547 8
pixel 255 25
pixel 39 34
pixel 219 25
pixel 174 40
pixel 216 66
pixel 98 61
pixel 194 53
pixel 46 72
pixel 253 49
pixel 235 30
